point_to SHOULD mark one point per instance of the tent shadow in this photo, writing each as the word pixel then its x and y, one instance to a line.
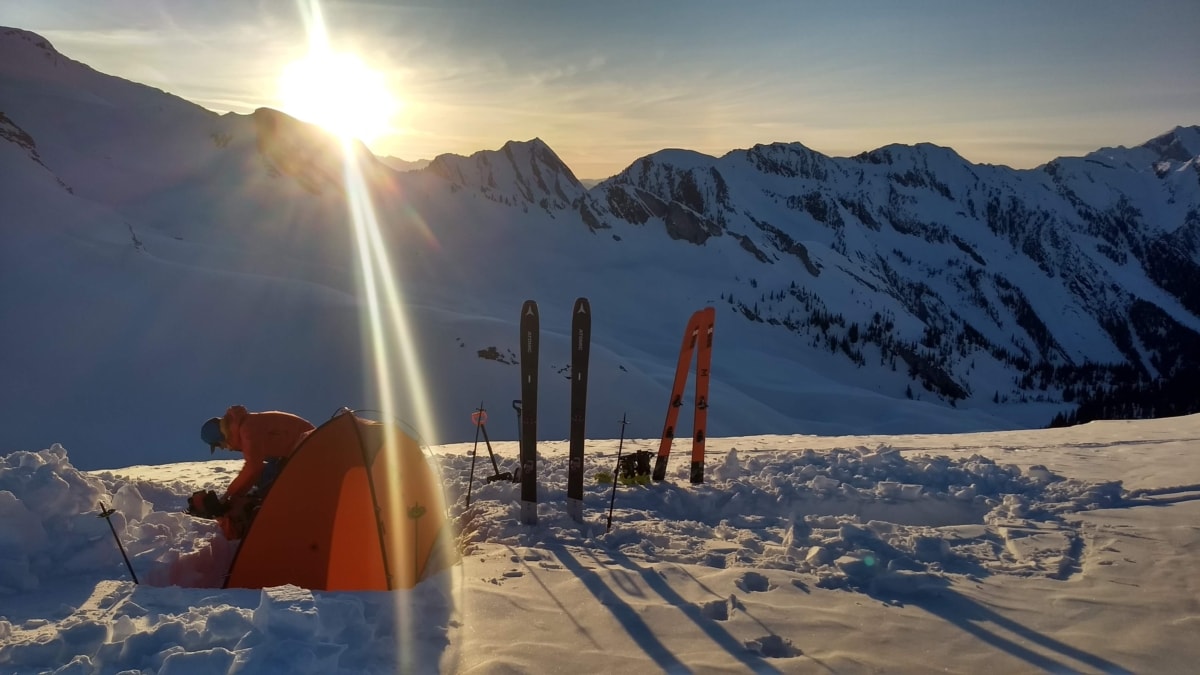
pixel 643 634
pixel 988 626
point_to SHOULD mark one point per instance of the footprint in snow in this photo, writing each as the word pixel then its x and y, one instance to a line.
pixel 717 610
pixel 773 647
pixel 720 610
pixel 753 582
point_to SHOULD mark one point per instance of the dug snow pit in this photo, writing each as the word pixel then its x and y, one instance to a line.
pixel 1040 547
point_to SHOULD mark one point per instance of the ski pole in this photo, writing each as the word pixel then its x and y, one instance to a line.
pixel 106 514
pixel 488 442
pixel 496 473
pixel 517 407
pixel 476 417
pixel 616 475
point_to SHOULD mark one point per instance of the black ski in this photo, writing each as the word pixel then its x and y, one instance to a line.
pixel 530 331
pixel 581 346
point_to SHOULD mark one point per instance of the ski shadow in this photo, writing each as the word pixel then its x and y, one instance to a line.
pixel 56 602
pixel 989 626
pixel 643 634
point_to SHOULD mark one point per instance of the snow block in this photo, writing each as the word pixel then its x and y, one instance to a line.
pixel 931 549
pixel 287 612
pixel 824 483
pixel 856 567
pixel 818 555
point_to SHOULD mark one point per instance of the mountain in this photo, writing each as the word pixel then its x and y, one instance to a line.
pixel 160 262
pixel 1055 283
pixel 403 164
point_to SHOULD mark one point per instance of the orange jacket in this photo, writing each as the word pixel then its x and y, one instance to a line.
pixel 259 437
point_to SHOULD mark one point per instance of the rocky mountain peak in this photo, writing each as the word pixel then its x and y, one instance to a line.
pixel 526 173
pixel 1179 145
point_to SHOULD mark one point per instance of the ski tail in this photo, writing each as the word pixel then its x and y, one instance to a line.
pixel 703 364
pixel 530 335
pixel 581 337
pixel 690 337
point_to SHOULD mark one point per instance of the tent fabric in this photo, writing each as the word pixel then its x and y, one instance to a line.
pixel 349 511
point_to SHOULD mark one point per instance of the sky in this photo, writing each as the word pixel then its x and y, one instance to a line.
pixel 1053 550
pixel 1015 83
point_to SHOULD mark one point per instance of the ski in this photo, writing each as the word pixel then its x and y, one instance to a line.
pixel 690 336
pixel 708 317
pixel 530 332
pixel 581 339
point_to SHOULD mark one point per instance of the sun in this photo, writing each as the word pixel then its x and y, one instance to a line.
pixel 339 92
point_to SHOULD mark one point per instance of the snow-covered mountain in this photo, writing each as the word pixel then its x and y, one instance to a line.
pixel 983 280
pixel 160 262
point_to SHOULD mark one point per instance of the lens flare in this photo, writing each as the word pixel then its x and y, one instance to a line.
pixel 392 344
pixel 390 332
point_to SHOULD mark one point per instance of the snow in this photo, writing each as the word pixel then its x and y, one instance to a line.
pixel 1068 550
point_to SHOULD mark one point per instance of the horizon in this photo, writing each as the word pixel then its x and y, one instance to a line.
pixel 1018 85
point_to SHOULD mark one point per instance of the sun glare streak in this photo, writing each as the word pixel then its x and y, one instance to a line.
pixel 391 340
pixel 363 217
pixel 378 273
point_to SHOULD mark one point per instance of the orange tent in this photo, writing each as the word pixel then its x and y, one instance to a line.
pixel 351 512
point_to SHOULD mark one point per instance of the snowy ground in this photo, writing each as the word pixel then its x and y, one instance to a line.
pixel 1066 550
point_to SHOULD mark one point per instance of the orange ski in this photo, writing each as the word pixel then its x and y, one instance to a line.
pixel 699 324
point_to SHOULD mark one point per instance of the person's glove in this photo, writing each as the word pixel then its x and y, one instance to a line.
pixel 204 504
